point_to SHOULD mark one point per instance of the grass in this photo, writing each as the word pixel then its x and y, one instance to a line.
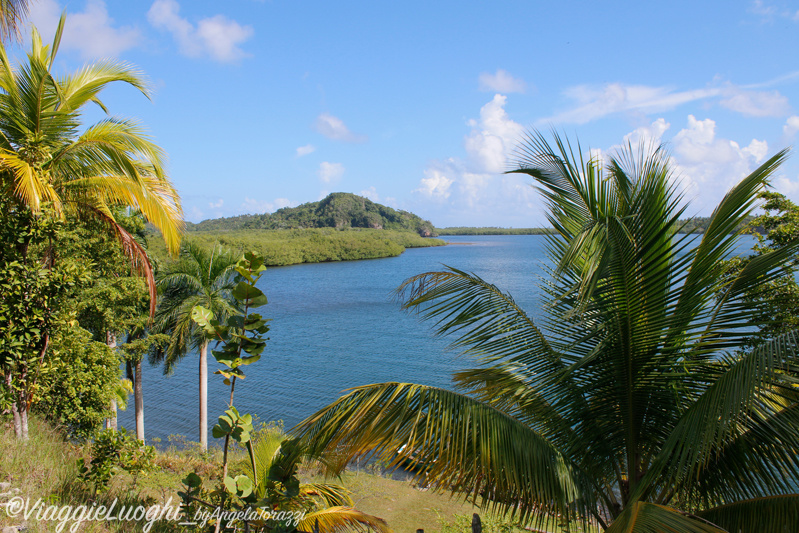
pixel 46 468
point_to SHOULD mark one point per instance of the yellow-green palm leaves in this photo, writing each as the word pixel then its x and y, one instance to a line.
pixel 45 158
pixel 324 505
pixel 628 404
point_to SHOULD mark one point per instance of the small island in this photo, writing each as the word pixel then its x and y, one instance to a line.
pixel 340 227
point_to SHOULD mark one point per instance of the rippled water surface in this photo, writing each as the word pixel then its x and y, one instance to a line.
pixel 336 325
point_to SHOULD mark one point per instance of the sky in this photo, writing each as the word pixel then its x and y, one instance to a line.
pixel 419 105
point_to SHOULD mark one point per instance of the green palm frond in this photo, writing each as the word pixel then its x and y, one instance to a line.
pixel 197 278
pixel 465 446
pixel 633 402
pixel 651 518
pixel 773 514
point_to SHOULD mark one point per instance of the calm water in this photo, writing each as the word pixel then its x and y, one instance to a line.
pixel 335 326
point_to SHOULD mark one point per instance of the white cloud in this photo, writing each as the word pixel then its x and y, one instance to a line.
pixel 710 166
pixel 90 32
pixel 305 150
pixel 370 193
pixel 647 134
pixel 216 37
pixel 501 82
pixel 785 186
pixel 493 137
pixel 216 205
pixel 791 126
pixel 757 104
pixel 473 183
pixel 592 102
pixel 334 128
pixel 330 172
pixel 435 185
pixel 258 207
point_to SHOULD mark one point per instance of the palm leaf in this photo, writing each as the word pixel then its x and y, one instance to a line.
pixel 643 517
pixel 460 444
pixel 774 514
pixel 341 520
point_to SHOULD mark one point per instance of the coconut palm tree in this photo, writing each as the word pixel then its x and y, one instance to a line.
pixel 48 166
pixel 628 404
pixel 202 278
pixel 323 505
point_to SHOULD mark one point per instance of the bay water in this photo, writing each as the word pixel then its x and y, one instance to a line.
pixel 336 326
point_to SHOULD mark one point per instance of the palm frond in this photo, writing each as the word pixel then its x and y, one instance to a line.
pixel 643 517
pixel 774 514
pixel 461 445
pixel 342 520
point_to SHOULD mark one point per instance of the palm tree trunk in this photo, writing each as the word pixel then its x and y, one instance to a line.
pixel 204 395
pixel 111 422
pixel 138 400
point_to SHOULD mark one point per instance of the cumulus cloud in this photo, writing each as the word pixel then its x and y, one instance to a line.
pixel 709 165
pixel 501 82
pixel 786 186
pixel 334 128
pixel 216 205
pixel 216 37
pixel 305 150
pixel 791 126
pixel 435 185
pixel 330 172
pixel 647 134
pixel 493 137
pixel 474 187
pixel 91 32
pixel 258 207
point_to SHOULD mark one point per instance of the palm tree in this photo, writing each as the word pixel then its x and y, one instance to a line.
pixel 326 506
pixel 628 405
pixel 12 12
pixel 46 165
pixel 200 278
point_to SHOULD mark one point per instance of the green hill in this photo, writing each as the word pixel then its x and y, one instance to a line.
pixel 337 210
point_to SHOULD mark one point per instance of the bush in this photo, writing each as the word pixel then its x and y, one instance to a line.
pixel 77 382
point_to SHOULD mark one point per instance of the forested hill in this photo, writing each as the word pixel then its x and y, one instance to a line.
pixel 337 210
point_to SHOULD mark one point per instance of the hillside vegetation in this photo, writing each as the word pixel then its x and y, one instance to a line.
pixel 337 210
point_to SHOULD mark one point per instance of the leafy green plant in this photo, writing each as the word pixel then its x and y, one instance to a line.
pixel 114 451
pixel 242 343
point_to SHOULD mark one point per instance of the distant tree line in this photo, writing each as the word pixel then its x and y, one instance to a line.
pixel 690 225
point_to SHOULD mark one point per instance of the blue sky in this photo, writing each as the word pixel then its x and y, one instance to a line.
pixel 418 105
